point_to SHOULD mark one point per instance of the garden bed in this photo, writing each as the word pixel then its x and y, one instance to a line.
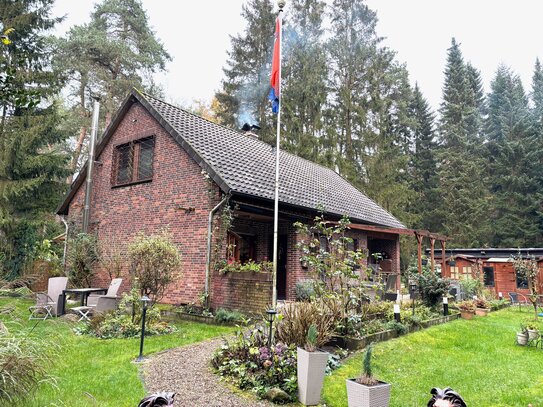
pixel 351 343
pixel 178 316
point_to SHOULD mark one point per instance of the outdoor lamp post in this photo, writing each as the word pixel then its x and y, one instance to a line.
pixel 145 300
pixel 271 316
pixel 397 317
pixel 413 288
pixel 445 306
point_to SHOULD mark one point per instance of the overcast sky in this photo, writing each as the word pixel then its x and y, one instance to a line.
pixel 196 34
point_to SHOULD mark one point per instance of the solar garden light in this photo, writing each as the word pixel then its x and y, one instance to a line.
pixel 271 316
pixel 445 306
pixel 475 298
pixel 145 300
pixel 412 290
pixel 500 295
pixel 397 313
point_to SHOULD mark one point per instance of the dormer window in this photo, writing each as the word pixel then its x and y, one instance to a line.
pixel 133 162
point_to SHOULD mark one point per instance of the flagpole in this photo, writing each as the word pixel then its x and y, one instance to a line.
pixel 281 4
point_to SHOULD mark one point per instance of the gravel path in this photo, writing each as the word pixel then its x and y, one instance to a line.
pixel 187 372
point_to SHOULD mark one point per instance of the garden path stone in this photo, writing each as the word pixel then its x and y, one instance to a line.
pixel 187 372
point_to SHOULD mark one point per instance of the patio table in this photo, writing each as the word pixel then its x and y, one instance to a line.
pixel 83 294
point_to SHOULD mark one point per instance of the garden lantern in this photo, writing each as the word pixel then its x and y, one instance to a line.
pixel 271 317
pixel 500 295
pixel 397 317
pixel 412 290
pixel 145 300
pixel 445 306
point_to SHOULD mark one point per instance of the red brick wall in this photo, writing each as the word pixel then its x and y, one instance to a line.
pixel 242 291
pixel 118 214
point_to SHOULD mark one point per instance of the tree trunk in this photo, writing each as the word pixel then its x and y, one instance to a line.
pixel 76 154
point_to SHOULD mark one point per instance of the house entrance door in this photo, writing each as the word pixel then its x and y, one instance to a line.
pixel 281 282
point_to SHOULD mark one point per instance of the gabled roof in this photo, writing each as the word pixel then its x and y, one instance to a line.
pixel 243 165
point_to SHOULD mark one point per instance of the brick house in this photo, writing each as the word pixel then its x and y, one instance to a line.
pixel 497 271
pixel 159 166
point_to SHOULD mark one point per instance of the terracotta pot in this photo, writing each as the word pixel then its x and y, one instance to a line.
pixel 482 312
pixel 467 314
pixel 311 368
pixel 360 395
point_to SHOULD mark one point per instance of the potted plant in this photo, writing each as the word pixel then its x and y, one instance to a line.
pixel 366 391
pixel 533 330
pixel 311 368
pixel 467 309
pixel 482 307
pixel 522 335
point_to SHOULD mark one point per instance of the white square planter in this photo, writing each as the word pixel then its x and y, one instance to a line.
pixel 311 368
pixel 360 395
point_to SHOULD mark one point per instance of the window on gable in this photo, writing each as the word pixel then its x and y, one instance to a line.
pixel 133 162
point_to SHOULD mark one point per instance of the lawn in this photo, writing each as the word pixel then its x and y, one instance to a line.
pixel 477 358
pixel 98 372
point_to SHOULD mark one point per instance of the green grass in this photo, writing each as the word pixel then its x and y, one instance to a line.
pixel 477 358
pixel 102 368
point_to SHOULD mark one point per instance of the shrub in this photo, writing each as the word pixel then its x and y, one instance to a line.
pixel 471 287
pixel 497 304
pixel 248 363
pixel 304 290
pixel 24 362
pixel 154 260
pixel 119 324
pixel 83 254
pixel 333 265
pixel 481 303
pixel 223 315
pixel 250 266
pixel 296 318
pixel 432 288
pixel 372 326
pixel 467 306
pixel 396 326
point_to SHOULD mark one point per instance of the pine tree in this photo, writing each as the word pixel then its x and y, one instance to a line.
pixel 244 94
pixel 464 204
pixel 305 72
pixel 537 123
pixel 31 165
pixel 423 166
pixel 367 118
pixel 513 163
pixel 116 51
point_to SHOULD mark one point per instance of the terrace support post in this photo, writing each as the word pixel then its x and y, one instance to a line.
pixel 432 258
pixel 419 251
pixel 444 271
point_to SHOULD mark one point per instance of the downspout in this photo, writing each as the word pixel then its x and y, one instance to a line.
pixel 65 243
pixel 90 164
pixel 209 237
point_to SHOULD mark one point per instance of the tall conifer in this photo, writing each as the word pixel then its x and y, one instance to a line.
pixel 513 159
pixel 464 203
pixel 31 165
pixel 424 180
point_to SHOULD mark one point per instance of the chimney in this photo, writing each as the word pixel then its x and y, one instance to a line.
pixel 250 130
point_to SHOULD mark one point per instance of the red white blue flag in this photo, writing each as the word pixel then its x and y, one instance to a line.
pixel 276 66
